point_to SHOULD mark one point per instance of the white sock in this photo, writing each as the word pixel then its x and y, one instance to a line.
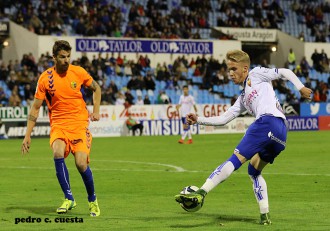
pixel 219 175
pixel 260 192
pixel 189 134
pixel 184 135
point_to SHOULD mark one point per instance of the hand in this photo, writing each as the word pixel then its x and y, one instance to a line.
pixel 95 116
pixel 306 93
pixel 26 145
pixel 191 118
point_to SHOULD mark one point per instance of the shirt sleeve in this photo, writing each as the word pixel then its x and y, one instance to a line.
pixel 289 75
pixel 238 107
pixel 86 78
pixel 225 118
pixel 266 74
pixel 40 90
pixel 216 120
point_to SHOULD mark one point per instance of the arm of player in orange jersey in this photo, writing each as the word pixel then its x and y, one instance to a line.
pixel 32 119
pixel 95 116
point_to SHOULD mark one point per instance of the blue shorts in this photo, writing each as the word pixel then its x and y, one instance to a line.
pixel 183 119
pixel 266 136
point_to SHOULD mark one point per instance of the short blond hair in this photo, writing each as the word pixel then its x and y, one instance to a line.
pixel 238 56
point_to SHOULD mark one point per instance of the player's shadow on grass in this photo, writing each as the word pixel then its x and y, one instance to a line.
pixel 218 219
pixel 229 218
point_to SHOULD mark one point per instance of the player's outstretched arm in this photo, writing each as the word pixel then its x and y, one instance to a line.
pixel 32 119
pixel 95 116
pixel 289 75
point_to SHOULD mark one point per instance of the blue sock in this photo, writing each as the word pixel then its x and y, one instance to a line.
pixel 87 177
pixel 63 177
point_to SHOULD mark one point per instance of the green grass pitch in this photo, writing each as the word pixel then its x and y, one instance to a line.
pixel 136 179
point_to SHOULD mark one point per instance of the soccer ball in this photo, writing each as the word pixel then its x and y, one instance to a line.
pixel 188 205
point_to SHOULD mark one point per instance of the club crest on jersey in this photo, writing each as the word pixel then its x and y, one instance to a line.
pixel 73 85
pixel 248 82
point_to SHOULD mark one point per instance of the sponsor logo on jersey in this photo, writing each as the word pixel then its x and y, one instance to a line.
pixel 271 136
pixel 73 85
pixel 249 82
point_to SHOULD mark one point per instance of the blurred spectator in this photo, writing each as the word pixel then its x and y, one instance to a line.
pixel 119 61
pixel 3 97
pixel 324 61
pixel 132 84
pixel 264 63
pixel 114 87
pixel 149 83
pixel 3 72
pixel 298 71
pixel 108 97
pixel 163 98
pixel 301 36
pixel 134 125
pixel 12 81
pixel 140 83
pixel 14 99
pixel 128 69
pixel 163 72
pixel 291 57
pixel 304 66
pixel 28 92
pixel 316 96
pixel 120 99
pixel 317 61
pixel 146 100
pixel 129 97
pixel 139 101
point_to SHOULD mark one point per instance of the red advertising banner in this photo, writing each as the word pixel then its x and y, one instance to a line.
pixel 324 122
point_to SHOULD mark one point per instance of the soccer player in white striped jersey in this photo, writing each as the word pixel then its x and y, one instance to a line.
pixel 186 102
pixel 263 140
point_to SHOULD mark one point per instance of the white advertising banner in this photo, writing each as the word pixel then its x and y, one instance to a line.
pixel 156 120
pixel 161 120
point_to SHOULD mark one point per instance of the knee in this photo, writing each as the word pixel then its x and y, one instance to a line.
pixel 236 162
pixel 81 166
pixel 81 163
pixel 58 154
pixel 253 172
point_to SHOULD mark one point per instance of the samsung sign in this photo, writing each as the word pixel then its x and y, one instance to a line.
pixel 144 46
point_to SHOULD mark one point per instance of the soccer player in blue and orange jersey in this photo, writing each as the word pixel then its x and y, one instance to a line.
pixel 60 86
pixel 264 139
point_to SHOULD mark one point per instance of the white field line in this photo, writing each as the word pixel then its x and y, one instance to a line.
pixel 174 167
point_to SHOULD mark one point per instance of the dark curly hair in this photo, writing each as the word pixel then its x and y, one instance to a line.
pixel 61 45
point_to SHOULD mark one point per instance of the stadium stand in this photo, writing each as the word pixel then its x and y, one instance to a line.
pixel 207 78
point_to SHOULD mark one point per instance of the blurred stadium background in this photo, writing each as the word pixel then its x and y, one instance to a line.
pixel 143 52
